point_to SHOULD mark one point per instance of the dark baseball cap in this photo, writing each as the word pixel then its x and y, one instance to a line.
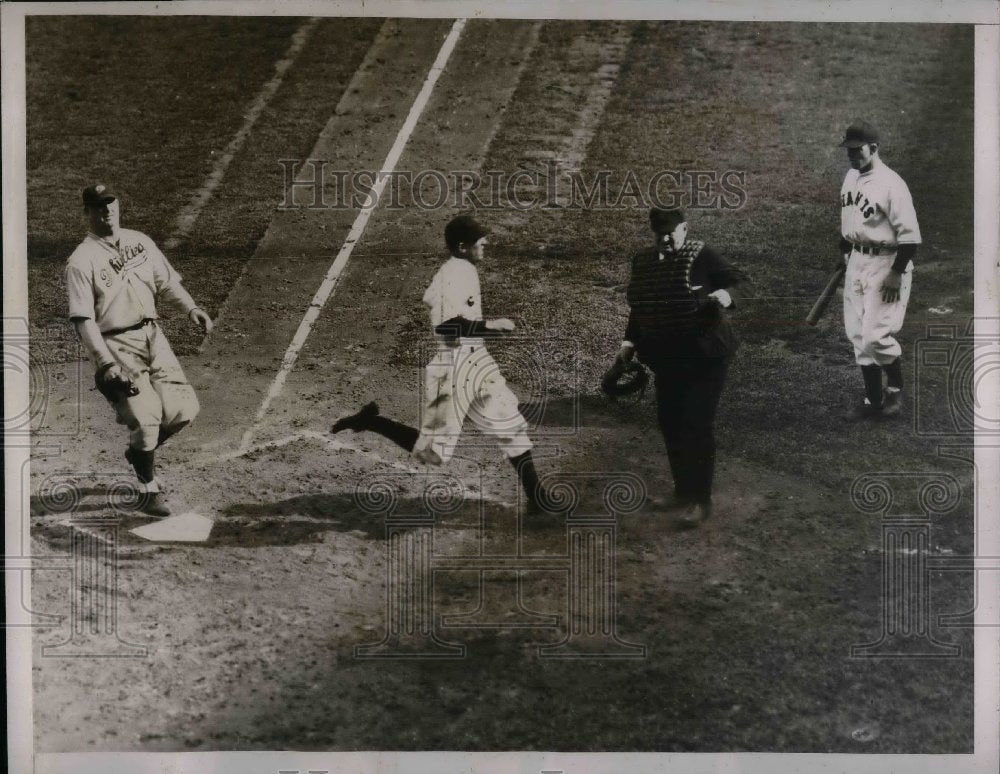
pixel 859 133
pixel 464 229
pixel 661 220
pixel 98 194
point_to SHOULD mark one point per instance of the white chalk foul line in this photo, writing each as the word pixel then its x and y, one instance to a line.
pixel 189 215
pixel 336 269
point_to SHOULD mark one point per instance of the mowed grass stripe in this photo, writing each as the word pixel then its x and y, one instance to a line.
pixel 187 217
pixel 190 113
pixel 235 220
pixel 336 269
pixel 140 103
pixel 770 100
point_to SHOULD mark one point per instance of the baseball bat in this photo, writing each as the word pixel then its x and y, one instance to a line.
pixel 824 298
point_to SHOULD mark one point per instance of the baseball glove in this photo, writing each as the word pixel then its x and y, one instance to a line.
pixel 624 378
pixel 114 386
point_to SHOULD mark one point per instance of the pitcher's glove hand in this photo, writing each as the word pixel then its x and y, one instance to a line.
pixel 113 384
pixel 624 378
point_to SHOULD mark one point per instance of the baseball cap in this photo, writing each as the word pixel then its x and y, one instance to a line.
pixel 98 194
pixel 859 133
pixel 661 220
pixel 463 228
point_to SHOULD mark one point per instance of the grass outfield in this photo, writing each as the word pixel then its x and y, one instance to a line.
pixel 771 100
pixel 183 103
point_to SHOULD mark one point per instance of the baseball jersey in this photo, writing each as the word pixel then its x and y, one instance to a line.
pixel 876 208
pixel 117 285
pixel 454 292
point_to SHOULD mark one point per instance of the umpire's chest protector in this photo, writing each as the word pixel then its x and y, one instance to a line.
pixel 671 310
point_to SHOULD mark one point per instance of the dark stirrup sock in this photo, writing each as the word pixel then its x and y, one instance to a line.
pixel 872 374
pixel 527 475
pixel 894 374
pixel 142 463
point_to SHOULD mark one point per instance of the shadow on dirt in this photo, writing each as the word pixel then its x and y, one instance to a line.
pixel 592 411
pixel 304 518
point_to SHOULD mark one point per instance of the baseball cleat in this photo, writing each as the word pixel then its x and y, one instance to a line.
pixel 892 404
pixel 694 514
pixel 154 504
pixel 427 456
pixel 356 422
pixel 864 411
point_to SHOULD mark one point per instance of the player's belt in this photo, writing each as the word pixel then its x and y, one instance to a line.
pixel 874 249
pixel 137 326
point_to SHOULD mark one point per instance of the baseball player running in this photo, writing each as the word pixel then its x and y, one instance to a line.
pixel 113 280
pixel 462 380
pixel 879 237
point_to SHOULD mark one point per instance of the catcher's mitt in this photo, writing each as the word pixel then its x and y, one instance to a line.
pixel 624 379
pixel 114 386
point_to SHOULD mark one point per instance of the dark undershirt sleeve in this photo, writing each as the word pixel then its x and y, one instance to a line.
pixel 632 328
pixel 721 274
pixel 904 254
pixel 461 327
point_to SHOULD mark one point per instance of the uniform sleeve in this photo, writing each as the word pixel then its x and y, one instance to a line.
pixel 168 281
pixel 453 286
pixel 902 216
pixel 433 293
pixel 632 332
pixel 720 274
pixel 432 298
pixel 80 292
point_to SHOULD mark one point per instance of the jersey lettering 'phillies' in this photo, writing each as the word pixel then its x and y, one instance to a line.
pixel 876 208
pixel 117 285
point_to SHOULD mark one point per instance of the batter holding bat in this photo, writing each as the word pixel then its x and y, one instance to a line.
pixel 879 237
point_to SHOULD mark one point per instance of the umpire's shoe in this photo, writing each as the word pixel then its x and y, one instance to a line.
pixel 865 410
pixel 356 422
pixel 694 514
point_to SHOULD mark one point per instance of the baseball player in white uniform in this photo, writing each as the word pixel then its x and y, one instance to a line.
pixel 462 380
pixel 879 237
pixel 113 280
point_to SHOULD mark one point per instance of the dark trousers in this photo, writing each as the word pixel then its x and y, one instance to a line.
pixel 687 395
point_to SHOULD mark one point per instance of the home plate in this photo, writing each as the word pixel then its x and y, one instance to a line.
pixel 187 527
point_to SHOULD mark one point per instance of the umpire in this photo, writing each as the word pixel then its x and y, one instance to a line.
pixel 676 294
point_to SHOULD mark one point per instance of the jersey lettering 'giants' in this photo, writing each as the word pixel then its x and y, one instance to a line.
pixel 876 208
pixel 861 202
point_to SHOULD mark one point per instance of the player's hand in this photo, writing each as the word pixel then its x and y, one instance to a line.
pixel 111 373
pixel 113 384
pixel 502 325
pixel 890 286
pixel 201 319
pixel 626 353
pixel 722 296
